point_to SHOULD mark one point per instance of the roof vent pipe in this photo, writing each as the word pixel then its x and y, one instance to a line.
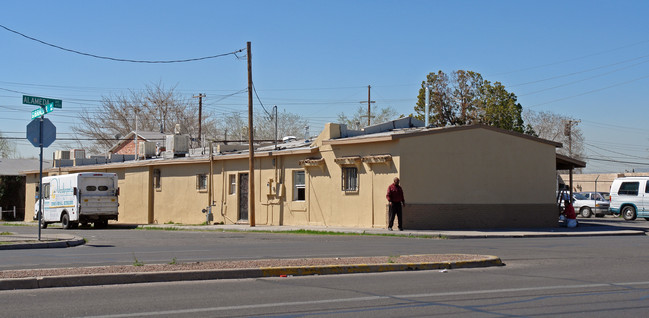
pixel 427 103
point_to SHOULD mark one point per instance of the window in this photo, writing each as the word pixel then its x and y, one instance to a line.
pixel 91 188
pixel 233 184
pixel 156 179
pixel 201 182
pixel 350 179
pixel 646 187
pixel 102 188
pixel 46 190
pixel 629 188
pixel 299 193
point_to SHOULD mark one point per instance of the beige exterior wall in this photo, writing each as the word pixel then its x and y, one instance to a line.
pixel 329 205
pixel 477 167
pixel 478 178
pixel 491 178
pixel 134 194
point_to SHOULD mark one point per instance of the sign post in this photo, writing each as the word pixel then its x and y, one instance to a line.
pixel 41 133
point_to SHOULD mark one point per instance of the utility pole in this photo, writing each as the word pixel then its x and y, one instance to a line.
pixel 276 119
pixel 200 117
pixel 137 152
pixel 369 102
pixel 251 149
pixel 567 131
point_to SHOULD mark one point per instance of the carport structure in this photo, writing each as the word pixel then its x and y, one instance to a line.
pixel 570 164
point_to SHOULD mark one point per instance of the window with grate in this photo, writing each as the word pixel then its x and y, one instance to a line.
pixel 156 179
pixel 350 179
pixel 201 182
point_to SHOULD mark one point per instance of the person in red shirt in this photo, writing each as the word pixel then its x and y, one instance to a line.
pixel 395 200
pixel 569 213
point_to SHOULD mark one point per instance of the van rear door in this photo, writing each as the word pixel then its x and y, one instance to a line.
pixel 98 195
pixel 645 197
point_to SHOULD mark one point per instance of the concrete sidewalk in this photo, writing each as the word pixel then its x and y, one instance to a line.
pixel 584 229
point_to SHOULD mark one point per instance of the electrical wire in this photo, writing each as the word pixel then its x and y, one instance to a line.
pixel 572 59
pixel 591 91
pixel 260 103
pixel 124 60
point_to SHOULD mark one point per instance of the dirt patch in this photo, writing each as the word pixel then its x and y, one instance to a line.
pixel 263 263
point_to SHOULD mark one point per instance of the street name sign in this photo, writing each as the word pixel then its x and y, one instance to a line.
pixel 43 110
pixel 42 101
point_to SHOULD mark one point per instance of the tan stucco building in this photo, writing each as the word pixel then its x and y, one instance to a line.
pixel 455 177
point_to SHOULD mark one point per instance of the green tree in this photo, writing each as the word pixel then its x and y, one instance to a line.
pixel 501 110
pixel 464 97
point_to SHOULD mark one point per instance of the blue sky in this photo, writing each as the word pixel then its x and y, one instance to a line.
pixel 584 59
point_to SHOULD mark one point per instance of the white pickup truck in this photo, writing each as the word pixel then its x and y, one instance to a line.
pixel 79 198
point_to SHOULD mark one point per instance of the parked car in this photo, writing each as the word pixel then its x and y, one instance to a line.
pixel 600 196
pixel 630 197
pixel 590 203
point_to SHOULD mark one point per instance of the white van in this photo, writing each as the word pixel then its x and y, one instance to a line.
pixel 79 198
pixel 630 197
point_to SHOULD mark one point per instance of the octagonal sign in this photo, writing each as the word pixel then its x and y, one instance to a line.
pixel 33 132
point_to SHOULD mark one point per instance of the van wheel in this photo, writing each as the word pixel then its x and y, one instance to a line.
pixel 65 221
pixel 628 213
pixel 646 219
pixel 586 212
pixel 43 225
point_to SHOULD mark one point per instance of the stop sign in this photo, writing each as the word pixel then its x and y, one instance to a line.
pixel 33 132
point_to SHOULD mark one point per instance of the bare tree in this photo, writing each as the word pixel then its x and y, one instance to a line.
pixel 356 121
pixel 552 126
pixel 7 148
pixel 157 108
pixel 234 126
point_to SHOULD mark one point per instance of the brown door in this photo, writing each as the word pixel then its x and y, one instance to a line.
pixel 243 197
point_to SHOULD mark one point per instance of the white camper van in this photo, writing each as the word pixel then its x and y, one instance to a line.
pixel 630 197
pixel 79 198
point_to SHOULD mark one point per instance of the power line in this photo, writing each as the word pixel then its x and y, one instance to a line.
pixel 615 152
pixel 572 59
pixel 581 80
pixel 119 59
pixel 618 161
pixel 262 104
pixel 586 71
pixel 591 91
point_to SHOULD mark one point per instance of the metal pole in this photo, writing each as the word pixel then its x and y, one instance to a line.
pixel 251 149
pixel 200 117
pixel 427 103
pixel 137 153
pixel 40 180
pixel 369 101
pixel 276 119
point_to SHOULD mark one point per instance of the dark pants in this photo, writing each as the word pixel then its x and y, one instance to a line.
pixel 395 209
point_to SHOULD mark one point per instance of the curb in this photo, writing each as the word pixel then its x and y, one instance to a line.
pixel 71 241
pixel 156 277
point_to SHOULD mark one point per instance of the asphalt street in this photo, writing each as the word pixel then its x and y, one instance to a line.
pixel 599 276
